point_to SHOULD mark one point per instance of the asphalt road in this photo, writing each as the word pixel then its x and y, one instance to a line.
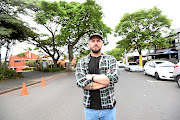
pixel 139 97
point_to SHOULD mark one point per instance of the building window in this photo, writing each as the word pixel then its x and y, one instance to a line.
pixel 17 60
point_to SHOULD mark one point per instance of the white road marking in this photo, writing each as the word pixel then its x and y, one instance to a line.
pixel 151 81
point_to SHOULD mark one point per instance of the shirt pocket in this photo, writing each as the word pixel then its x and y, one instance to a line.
pixel 103 67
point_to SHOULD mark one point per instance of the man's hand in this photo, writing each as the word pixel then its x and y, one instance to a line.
pixel 102 79
pixel 94 86
pixel 89 76
pixel 99 81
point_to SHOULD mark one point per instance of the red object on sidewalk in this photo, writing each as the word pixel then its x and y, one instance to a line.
pixel 24 90
pixel 43 82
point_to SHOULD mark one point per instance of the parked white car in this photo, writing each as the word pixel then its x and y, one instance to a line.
pixel 177 73
pixel 133 66
pixel 161 69
pixel 121 64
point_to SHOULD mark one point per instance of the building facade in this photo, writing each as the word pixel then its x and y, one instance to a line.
pixel 17 63
pixel 171 53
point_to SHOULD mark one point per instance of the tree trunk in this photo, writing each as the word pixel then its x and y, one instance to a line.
pixel 0 56
pixel 5 62
pixel 55 63
pixel 9 59
pixel 0 52
pixel 70 52
pixel 155 49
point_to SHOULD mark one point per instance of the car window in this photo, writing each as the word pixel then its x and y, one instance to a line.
pixel 159 62
pixel 152 64
pixel 147 63
pixel 166 64
pixel 132 63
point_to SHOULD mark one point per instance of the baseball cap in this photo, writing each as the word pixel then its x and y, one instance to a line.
pixel 95 34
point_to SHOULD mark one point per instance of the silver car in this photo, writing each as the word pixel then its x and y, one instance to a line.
pixel 121 64
pixel 133 66
pixel 177 73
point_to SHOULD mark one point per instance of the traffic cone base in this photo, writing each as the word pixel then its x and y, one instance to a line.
pixel 24 94
pixel 43 82
pixel 24 90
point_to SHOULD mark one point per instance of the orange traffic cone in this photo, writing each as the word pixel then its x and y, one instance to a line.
pixel 24 90
pixel 43 82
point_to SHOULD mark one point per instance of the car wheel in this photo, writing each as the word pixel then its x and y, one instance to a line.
pixel 157 76
pixel 178 80
pixel 145 72
pixel 130 70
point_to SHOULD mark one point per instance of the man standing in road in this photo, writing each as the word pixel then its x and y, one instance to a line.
pixel 96 74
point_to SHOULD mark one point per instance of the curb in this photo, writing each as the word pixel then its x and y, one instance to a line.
pixel 30 84
pixel 17 88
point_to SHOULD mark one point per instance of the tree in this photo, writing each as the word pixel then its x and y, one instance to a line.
pixel 10 23
pixel 81 20
pixel 116 52
pixel 12 28
pixel 31 63
pixel 143 29
pixel 50 16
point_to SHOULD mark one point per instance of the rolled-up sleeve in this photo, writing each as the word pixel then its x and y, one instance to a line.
pixel 114 73
pixel 81 80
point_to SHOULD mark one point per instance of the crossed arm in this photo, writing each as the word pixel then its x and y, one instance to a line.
pixel 99 81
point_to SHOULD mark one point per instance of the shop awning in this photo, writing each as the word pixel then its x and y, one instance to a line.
pixel 169 52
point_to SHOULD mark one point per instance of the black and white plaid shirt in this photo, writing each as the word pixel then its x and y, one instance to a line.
pixel 107 93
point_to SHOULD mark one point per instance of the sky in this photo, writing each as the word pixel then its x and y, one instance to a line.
pixel 113 11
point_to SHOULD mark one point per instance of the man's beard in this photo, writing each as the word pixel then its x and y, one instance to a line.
pixel 96 51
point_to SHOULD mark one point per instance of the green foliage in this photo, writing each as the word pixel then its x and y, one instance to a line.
pixel 143 29
pixel 14 28
pixel 9 74
pixel 74 21
pixel 11 26
pixel 116 52
pixel 21 55
pixel 20 75
pixel 20 5
pixel 81 20
pixel 31 63
pixel 52 69
pixel 50 17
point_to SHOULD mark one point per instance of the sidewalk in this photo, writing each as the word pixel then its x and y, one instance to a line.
pixel 30 78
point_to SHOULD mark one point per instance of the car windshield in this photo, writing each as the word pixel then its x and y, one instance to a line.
pixel 132 63
pixel 165 64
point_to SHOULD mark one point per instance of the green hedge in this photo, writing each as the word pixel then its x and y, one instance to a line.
pixel 9 74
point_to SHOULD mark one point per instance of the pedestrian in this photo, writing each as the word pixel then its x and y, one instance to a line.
pixel 96 74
